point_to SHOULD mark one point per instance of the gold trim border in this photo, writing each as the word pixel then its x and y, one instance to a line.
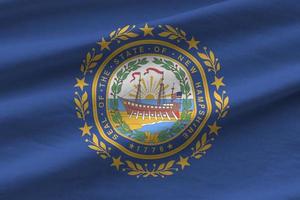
pixel 163 56
pixel 190 139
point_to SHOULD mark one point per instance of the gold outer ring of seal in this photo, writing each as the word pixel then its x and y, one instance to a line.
pixel 190 139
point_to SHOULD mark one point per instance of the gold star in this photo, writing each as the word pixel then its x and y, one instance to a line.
pixel 214 128
pixel 117 162
pixel 81 83
pixel 193 43
pixel 183 162
pixel 85 129
pixel 218 82
pixel 104 44
pixel 147 30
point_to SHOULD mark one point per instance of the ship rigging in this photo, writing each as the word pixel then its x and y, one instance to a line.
pixel 160 111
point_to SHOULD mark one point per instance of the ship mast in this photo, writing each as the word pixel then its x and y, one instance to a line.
pixel 138 93
pixel 161 90
pixel 172 99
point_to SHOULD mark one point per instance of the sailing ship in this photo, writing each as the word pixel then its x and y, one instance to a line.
pixel 160 111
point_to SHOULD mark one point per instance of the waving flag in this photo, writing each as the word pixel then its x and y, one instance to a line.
pixel 177 95
pixel 75 126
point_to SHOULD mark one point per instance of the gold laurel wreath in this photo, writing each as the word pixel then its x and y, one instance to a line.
pixel 90 61
pixel 134 168
pixel 164 169
pixel 99 147
pixel 213 64
pixel 222 104
pixel 82 105
pixel 173 33
pixel 210 60
pixel 201 147
pixel 123 33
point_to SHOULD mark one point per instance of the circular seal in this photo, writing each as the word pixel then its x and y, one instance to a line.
pixel 149 99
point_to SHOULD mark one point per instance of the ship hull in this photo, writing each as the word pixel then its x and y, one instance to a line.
pixel 137 110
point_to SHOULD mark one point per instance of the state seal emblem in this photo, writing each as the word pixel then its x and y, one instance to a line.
pixel 150 99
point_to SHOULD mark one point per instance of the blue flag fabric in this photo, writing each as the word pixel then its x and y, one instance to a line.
pixel 44 151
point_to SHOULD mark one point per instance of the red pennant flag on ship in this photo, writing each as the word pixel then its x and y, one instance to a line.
pixel 153 69
pixel 134 74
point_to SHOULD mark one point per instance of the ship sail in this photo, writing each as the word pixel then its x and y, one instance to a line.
pixel 138 93
pixel 161 90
